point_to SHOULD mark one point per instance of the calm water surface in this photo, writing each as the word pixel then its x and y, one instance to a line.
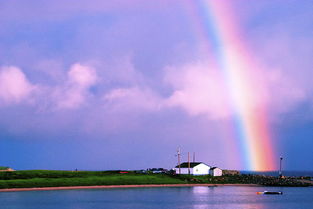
pixel 179 197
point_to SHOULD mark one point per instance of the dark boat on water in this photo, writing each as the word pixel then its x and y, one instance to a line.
pixel 267 192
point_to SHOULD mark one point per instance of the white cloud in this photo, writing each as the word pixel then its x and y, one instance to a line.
pixel 14 86
pixel 76 89
pixel 284 93
pixel 199 89
pixel 129 99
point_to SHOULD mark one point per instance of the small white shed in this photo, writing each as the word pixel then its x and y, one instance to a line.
pixel 195 168
pixel 215 171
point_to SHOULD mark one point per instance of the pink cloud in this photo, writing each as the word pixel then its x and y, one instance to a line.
pixel 286 63
pixel 119 70
pixel 133 98
pixel 76 89
pixel 283 93
pixel 82 76
pixel 199 89
pixel 14 86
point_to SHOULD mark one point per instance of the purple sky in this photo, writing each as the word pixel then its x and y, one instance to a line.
pixel 93 84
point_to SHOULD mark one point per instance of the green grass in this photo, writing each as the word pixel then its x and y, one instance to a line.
pixel 47 178
pixel 29 174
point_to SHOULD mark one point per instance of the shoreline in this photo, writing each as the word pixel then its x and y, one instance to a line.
pixel 119 186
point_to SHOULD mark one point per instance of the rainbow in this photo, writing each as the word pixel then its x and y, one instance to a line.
pixel 218 26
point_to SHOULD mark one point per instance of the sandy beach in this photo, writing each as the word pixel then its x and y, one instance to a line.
pixel 117 186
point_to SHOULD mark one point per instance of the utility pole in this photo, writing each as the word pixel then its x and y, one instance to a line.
pixel 178 156
pixel 188 164
pixel 194 157
pixel 280 165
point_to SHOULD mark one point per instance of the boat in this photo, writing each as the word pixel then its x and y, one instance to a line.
pixel 268 192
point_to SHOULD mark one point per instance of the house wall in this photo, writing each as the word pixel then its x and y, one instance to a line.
pixel 216 172
pixel 9 169
pixel 183 171
pixel 201 169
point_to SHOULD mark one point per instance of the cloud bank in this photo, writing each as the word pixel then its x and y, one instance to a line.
pixel 197 88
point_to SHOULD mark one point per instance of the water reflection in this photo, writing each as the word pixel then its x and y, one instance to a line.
pixel 226 197
pixel 201 190
pixel 201 197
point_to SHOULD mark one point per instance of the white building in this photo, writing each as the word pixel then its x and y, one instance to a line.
pixel 196 168
pixel 215 171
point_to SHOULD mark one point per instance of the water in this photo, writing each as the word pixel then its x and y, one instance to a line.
pixel 174 197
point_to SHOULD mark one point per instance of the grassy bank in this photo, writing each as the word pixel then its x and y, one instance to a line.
pixel 89 181
pixel 28 179
pixel 44 178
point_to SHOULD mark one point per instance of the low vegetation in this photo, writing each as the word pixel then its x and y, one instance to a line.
pixel 247 179
pixel 45 178
pixel 28 179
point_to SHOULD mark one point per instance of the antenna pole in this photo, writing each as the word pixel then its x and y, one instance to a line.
pixel 280 165
pixel 188 164
pixel 178 156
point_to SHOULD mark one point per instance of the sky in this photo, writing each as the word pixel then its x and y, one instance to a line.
pixel 99 85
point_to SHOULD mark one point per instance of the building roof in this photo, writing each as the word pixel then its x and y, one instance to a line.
pixel 4 168
pixel 212 168
pixel 193 164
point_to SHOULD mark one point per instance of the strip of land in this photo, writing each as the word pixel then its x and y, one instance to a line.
pixel 33 180
pixel 120 186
